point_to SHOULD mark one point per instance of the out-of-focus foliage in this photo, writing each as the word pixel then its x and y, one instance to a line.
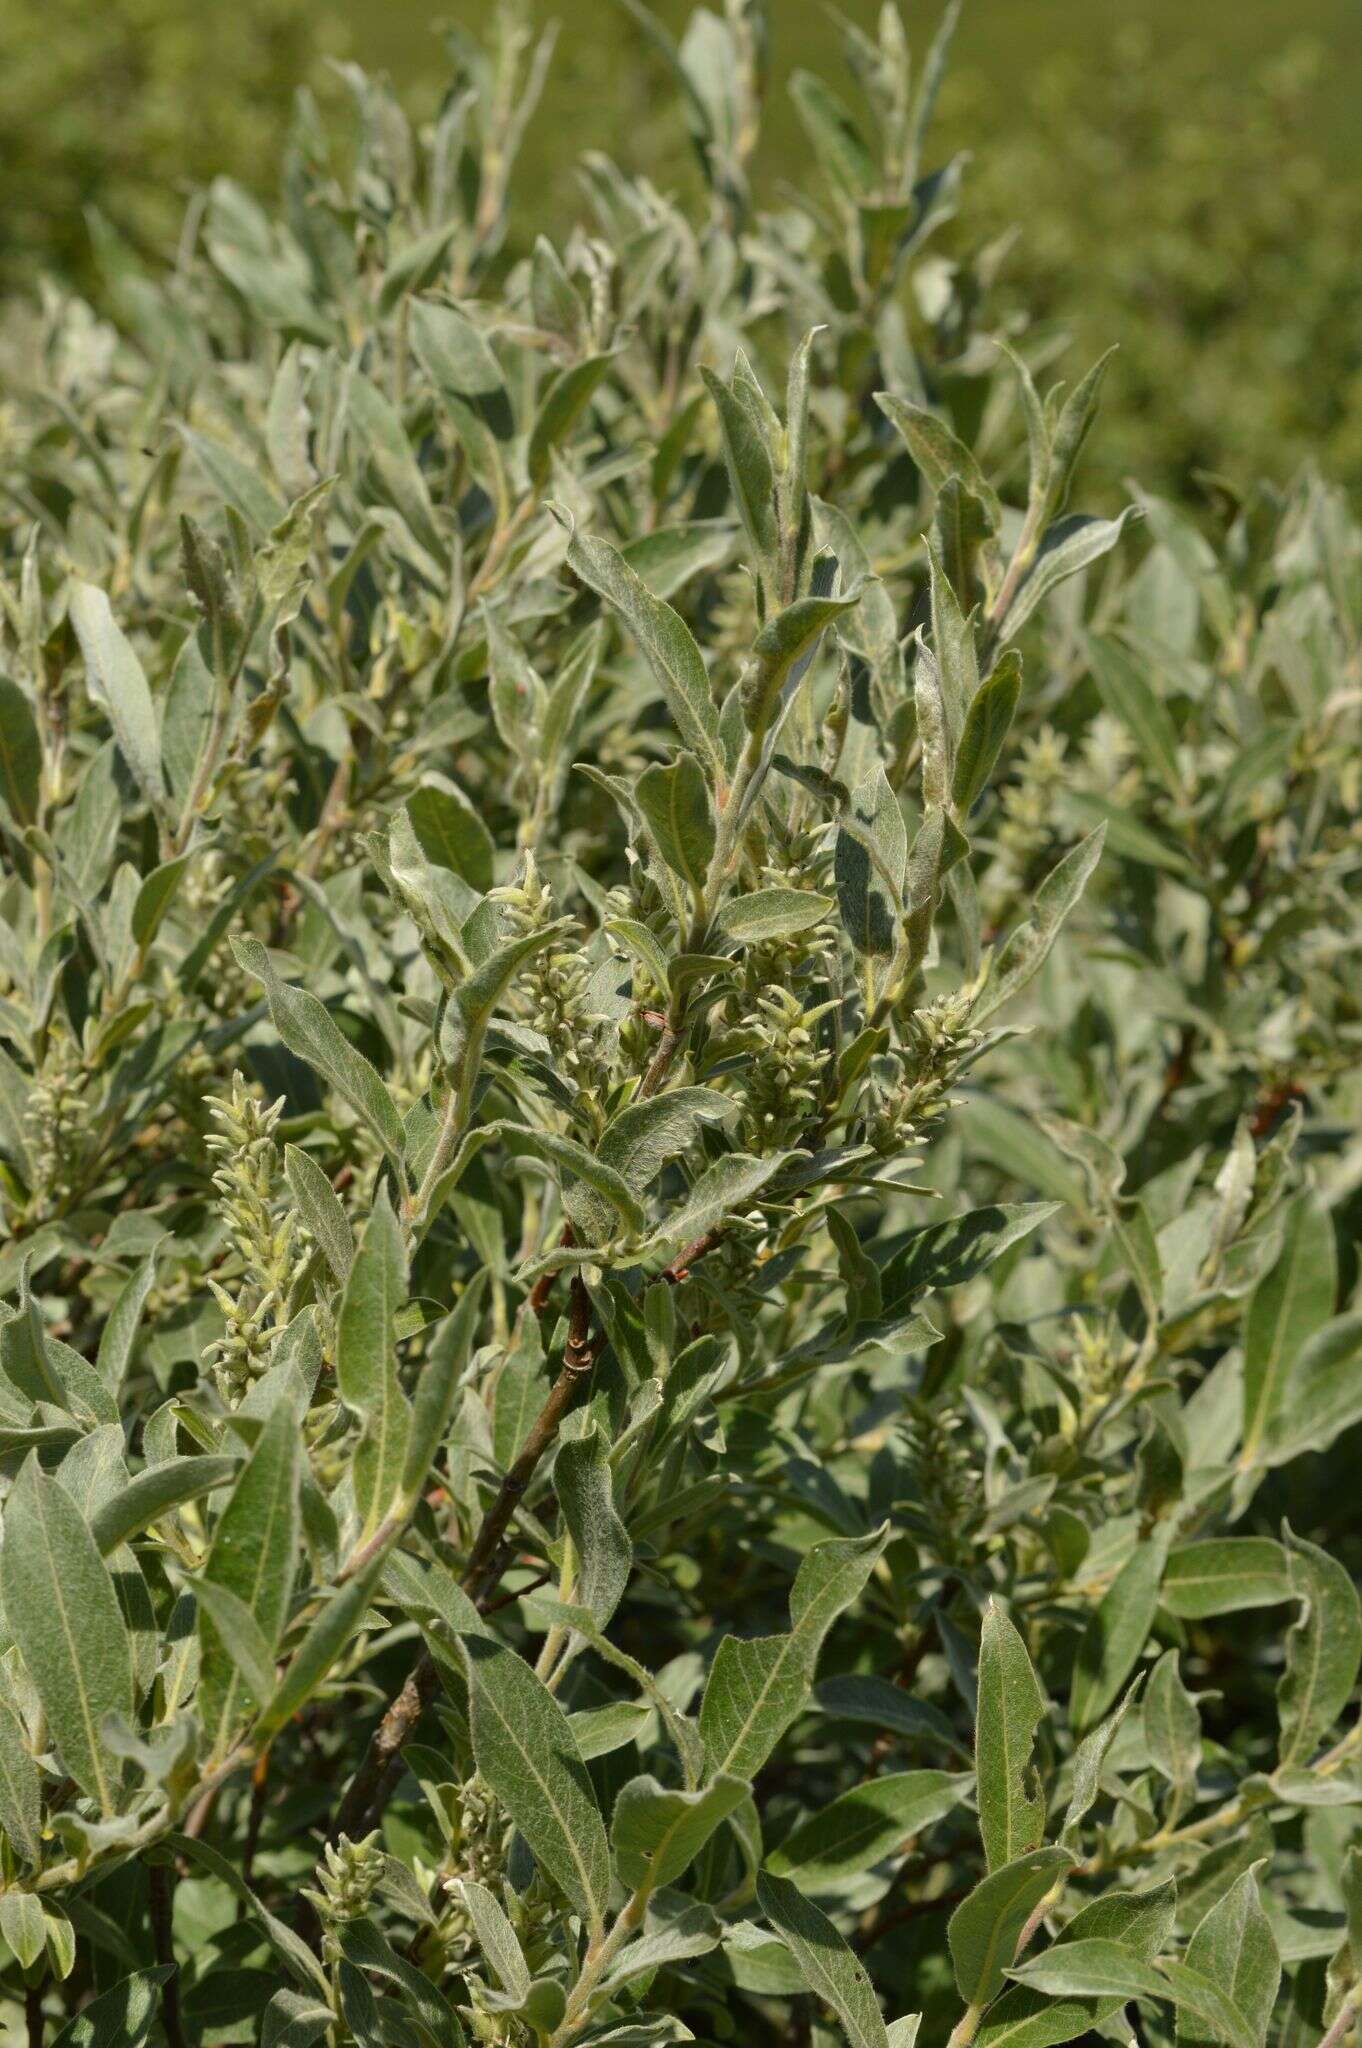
pixel 680 1353
pixel 1197 215
pixel 127 105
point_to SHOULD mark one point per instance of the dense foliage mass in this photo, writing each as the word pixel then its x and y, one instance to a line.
pixel 676 1103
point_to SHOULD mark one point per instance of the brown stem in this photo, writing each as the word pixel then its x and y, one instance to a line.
pixel 161 1880
pixel 579 1355
pixel 376 1779
pixel 255 1820
pixel 33 2014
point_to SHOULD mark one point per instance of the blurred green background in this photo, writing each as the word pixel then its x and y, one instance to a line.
pixel 1185 179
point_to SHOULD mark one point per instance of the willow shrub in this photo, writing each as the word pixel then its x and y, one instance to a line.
pixel 656 1327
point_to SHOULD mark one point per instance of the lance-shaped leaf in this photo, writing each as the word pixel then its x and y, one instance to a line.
pixel 756 1687
pixel 952 1253
pixel 1323 1650
pixel 661 633
pixel 658 1832
pixel 326 1636
pixel 1029 945
pixel 782 652
pixel 864 1825
pixel 63 1613
pixel 1293 1301
pixel 563 404
pixel 1117 1630
pixel 1223 1574
pixel 1323 1394
pixel 870 864
pixel 308 1029
pixel 678 807
pixel 116 681
pixel 253 1559
pixel 21 758
pixel 1069 545
pixel 1140 1922
pixel 747 457
pixel 124 1320
pixel 20 1791
pixel 451 834
pixel 1098 1968
pixel 153 1493
pixel 985 1928
pixel 1127 693
pixel 987 724
pixel 366 1363
pixel 1172 1726
pixel 474 1001
pixel 1234 1948
pixel 120 2018
pixel 525 1749
pixel 321 1210
pixel 773 914
pixel 436 1391
pixel 728 1184
pixel 497 1939
pixel 829 1968
pixel 582 1478
pixel 938 452
pixel 1011 1707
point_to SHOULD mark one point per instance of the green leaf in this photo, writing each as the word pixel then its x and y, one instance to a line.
pixel 64 1614
pixel 1011 1707
pixel 837 143
pixel 475 999
pixel 119 1334
pixel 20 1791
pixel 366 1363
pixel 321 1210
pixel 1117 1630
pixel 155 897
pixel 497 1939
pixel 870 865
pixel 985 1927
pixel 1224 1574
pixel 451 834
pixel 658 1832
pixel 1290 1304
pixel 662 634
pixel 121 2018
pixel 782 652
pixel 861 1827
pixel 583 1176
pixel 988 720
pixel 1234 1948
pixel 341 1618
pixel 956 1251
pixel 154 1493
pixel 116 682
pixel 525 1749
pixel 1172 1726
pixel 308 1029
pixel 1127 693
pixel 757 1686
pixel 1142 1923
pixel 729 1184
pixel 605 1556
pixel 563 404
pixel 824 1961
pixel 1070 545
pixel 1323 1650
pixel 254 1557
pixel 678 807
pixel 437 1390
pixel 772 914
pixel 21 756
pixel 751 474
pixel 938 452
pixel 1323 1395
pixel 1029 945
